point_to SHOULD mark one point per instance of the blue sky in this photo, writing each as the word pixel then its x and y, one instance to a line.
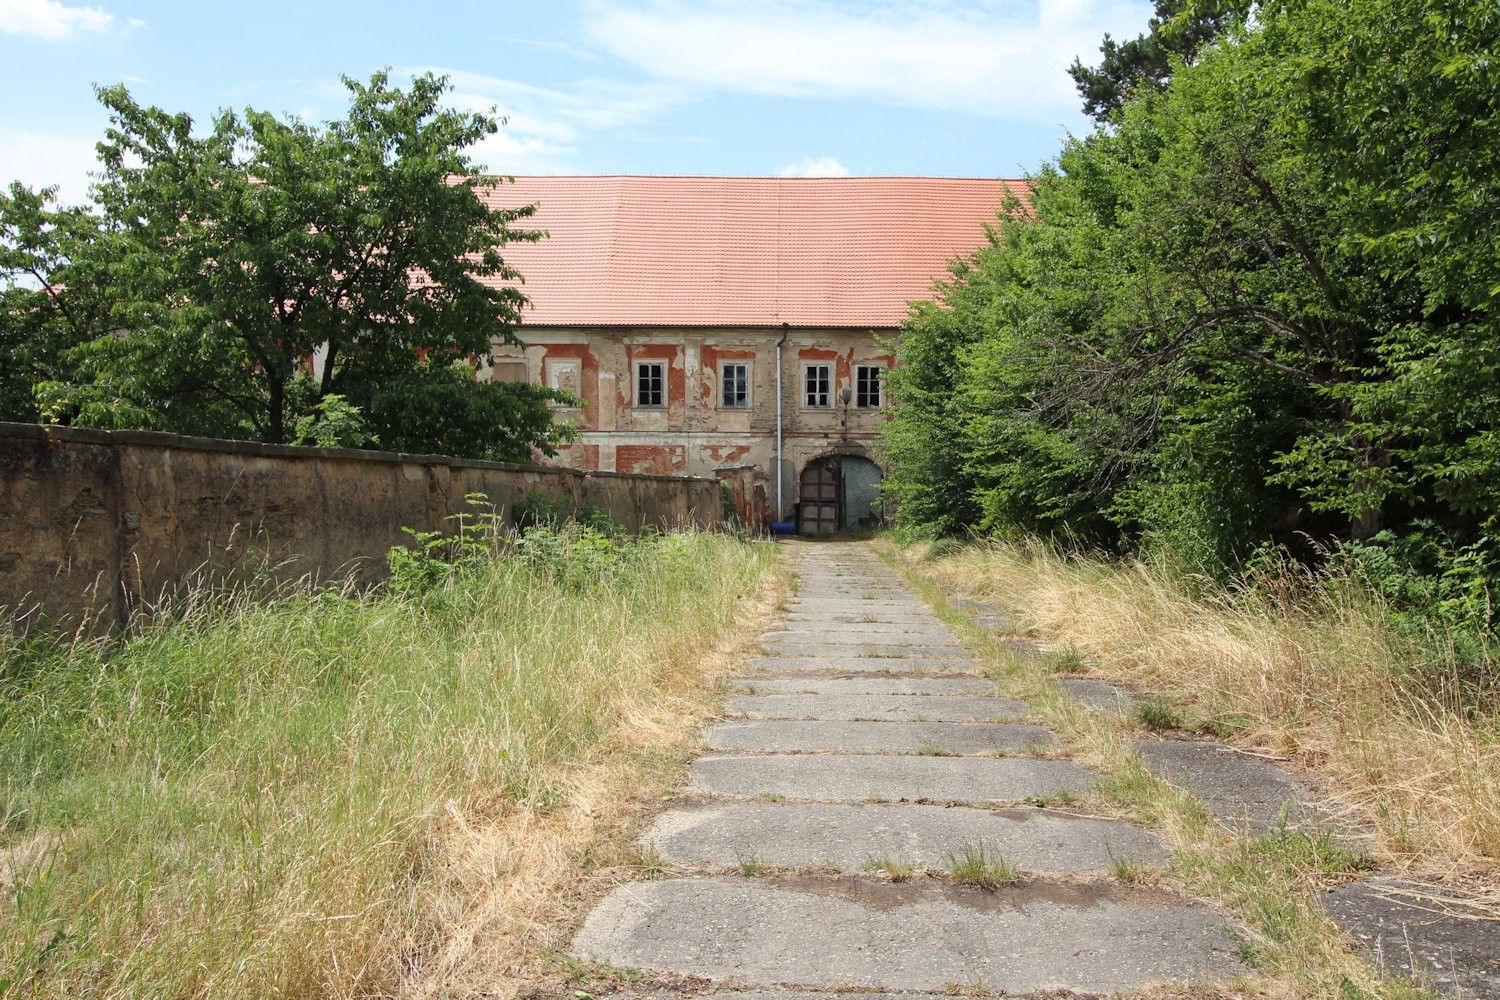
pixel 939 87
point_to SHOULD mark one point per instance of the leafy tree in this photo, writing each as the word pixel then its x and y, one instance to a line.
pixel 1179 30
pixel 43 309
pixel 1254 309
pixel 243 276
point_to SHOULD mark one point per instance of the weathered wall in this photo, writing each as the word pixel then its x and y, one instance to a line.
pixel 93 522
pixel 694 434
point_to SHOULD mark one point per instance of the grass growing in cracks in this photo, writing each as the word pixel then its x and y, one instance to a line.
pixel 978 864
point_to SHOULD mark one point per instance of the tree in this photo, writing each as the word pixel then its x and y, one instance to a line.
pixel 42 309
pixel 1179 30
pixel 1255 309
pixel 251 272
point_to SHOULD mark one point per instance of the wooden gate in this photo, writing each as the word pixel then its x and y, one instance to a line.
pixel 819 495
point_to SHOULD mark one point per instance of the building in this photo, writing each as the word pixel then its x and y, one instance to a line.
pixel 735 326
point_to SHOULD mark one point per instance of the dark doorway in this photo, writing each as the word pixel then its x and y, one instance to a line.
pixel 818 499
pixel 838 492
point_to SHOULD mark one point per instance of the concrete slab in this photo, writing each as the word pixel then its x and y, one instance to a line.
pixel 853 932
pixel 1439 934
pixel 902 650
pixel 862 632
pixel 865 685
pixel 857 603
pixel 789 736
pixel 1098 694
pixel 858 778
pixel 846 837
pixel 825 618
pixel 852 707
pixel 633 993
pixel 909 665
pixel 1247 794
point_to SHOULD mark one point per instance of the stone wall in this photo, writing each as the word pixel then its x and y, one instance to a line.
pixel 93 523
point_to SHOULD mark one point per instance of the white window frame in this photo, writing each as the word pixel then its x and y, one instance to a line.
pixel 661 378
pixel 879 386
pixel 724 400
pixel 809 402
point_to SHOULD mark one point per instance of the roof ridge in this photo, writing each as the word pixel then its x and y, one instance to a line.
pixel 767 177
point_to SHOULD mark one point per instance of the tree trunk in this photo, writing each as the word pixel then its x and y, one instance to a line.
pixel 276 418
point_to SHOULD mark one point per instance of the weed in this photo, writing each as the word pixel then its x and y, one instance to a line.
pixel 771 797
pixel 1317 854
pixel 650 862
pixel 1156 716
pixel 1132 872
pixel 896 871
pixel 1065 661
pixel 751 867
pixel 1226 727
pixel 976 864
pixel 932 750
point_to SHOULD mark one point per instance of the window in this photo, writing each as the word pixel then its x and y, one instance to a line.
pixel 510 370
pixel 734 385
pixel 867 386
pixel 566 375
pixel 817 380
pixel 650 383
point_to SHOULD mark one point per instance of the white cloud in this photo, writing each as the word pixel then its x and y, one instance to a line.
pixel 41 159
pixel 545 126
pixel 51 19
pixel 990 57
pixel 822 166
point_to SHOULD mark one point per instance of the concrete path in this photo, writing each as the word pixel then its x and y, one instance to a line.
pixel 860 823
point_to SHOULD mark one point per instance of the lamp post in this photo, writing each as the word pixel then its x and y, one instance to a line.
pixel 846 395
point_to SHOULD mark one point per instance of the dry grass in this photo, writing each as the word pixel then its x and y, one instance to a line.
pixel 1268 884
pixel 1323 682
pixel 348 795
pixel 512 889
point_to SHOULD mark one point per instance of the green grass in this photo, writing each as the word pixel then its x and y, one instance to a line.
pixel 1157 716
pixel 977 864
pixel 892 868
pixel 249 799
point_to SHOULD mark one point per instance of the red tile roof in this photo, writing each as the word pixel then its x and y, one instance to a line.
pixel 743 251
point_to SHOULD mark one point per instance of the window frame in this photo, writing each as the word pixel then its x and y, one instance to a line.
pixel 879 384
pixel 661 383
pixel 827 388
pixel 724 401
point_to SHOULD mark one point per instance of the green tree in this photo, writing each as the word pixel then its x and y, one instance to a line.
pixel 1255 308
pixel 1177 32
pixel 45 307
pixel 250 272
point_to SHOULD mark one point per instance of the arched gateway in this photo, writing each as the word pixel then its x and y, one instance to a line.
pixel 837 492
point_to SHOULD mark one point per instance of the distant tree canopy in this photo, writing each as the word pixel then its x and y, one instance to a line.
pixel 210 269
pixel 1177 32
pixel 1254 312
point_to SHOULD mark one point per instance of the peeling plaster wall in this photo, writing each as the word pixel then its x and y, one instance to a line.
pixel 693 434
pixel 92 523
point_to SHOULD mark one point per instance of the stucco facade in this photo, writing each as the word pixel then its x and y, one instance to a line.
pixel 685 278
pixel 696 430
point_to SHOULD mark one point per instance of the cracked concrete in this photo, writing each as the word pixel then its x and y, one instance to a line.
pixel 862 743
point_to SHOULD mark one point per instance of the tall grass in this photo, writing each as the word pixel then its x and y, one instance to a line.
pixel 1314 671
pixel 248 799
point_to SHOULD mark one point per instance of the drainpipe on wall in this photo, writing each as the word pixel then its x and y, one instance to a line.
pixel 780 505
